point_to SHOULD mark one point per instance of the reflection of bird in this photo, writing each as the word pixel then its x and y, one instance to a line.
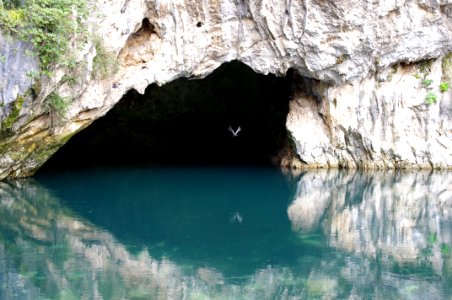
pixel 234 133
pixel 236 218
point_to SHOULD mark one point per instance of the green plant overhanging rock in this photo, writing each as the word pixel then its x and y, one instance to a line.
pixel 444 87
pixel 431 98
pixel 427 82
pixel 425 68
pixel 52 26
pixel 105 62
pixel 56 107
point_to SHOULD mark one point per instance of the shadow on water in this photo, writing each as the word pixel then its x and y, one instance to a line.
pixel 171 233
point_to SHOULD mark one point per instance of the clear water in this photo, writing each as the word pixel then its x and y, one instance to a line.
pixel 226 233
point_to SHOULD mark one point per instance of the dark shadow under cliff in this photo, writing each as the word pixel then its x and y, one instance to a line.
pixel 186 122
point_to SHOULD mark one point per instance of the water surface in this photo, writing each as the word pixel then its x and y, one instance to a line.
pixel 226 233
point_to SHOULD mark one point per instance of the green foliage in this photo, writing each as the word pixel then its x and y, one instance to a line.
pixel 432 238
pixel 70 79
pixel 11 3
pixel 10 19
pixel 105 62
pixel 431 98
pixel 32 74
pixel 427 82
pixel 56 106
pixel 446 249
pixel 8 123
pixel 425 68
pixel 444 87
pixel 52 26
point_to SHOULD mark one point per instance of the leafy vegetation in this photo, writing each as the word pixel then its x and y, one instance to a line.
pixel 431 98
pixel 52 26
pixel 105 62
pixel 427 82
pixel 56 30
pixel 444 87
pixel 446 249
pixel 432 238
pixel 16 106
pixel 56 106
pixel 424 68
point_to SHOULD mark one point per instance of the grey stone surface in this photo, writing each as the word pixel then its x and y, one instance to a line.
pixel 16 61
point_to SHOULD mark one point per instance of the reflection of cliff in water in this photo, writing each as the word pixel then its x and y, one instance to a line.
pixel 187 214
pixel 400 221
pixel 46 251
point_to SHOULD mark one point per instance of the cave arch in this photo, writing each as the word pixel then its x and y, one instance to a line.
pixel 187 122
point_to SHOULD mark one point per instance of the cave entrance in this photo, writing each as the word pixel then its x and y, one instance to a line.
pixel 186 122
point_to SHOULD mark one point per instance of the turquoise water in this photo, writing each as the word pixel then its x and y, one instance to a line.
pixel 226 233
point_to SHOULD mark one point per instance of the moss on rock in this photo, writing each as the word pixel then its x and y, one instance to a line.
pixel 8 123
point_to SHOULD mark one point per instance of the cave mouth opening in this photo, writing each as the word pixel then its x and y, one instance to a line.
pixel 186 122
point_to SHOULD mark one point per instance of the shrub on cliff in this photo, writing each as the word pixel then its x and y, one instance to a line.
pixel 52 26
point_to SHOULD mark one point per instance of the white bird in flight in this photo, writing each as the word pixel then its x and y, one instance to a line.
pixel 234 133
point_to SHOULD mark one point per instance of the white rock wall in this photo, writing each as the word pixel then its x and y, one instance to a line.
pixel 374 123
pixel 337 42
pixel 15 63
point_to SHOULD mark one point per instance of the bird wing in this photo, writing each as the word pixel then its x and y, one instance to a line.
pixel 231 130
pixel 238 130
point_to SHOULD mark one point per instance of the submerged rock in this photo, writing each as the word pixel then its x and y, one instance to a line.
pixel 366 119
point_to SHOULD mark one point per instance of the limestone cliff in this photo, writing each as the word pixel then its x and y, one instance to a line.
pixel 376 122
pixel 349 112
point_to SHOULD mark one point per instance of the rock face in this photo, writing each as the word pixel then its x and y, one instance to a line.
pixel 16 62
pixel 347 47
pixel 375 123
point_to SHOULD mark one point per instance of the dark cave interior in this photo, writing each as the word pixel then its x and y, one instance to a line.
pixel 186 122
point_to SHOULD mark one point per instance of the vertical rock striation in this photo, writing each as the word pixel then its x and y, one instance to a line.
pixel 346 46
pixel 17 65
pixel 382 121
